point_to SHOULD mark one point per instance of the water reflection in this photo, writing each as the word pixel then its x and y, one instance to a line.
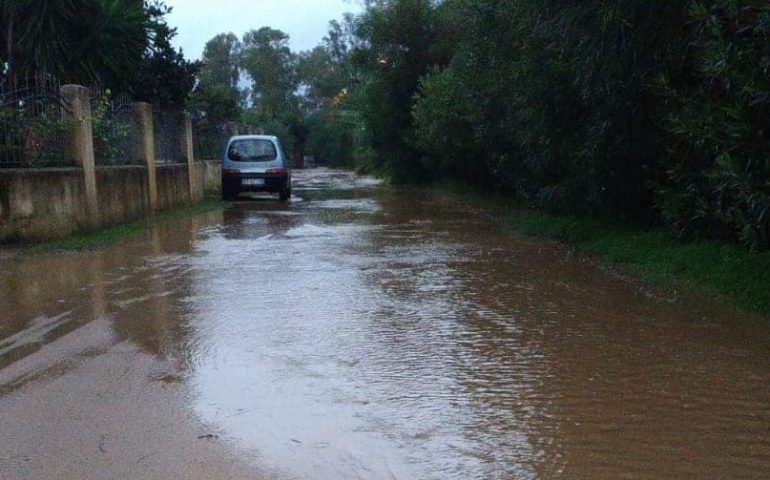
pixel 135 285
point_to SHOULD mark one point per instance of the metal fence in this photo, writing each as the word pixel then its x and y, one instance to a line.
pixel 210 139
pixel 168 136
pixel 116 128
pixel 34 130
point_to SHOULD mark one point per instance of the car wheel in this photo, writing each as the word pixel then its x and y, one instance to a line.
pixel 284 194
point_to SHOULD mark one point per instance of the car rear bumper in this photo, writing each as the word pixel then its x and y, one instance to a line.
pixel 253 182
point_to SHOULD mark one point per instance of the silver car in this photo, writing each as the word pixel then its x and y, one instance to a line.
pixel 255 163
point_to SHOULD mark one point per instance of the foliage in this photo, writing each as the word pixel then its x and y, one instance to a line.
pixel 35 135
pixel 644 111
pixel 323 78
pixel 650 112
pixel 220 103
pixel 115 130
pixel 122 45
pixel 712 267
pixel 337 138
pixel 393 56
pixel 331 99
pixel 164 77
pixel 555 96
pixel 78 41
pixel 217 95
pixel 221 60
pixel 271 67
pixel 716 117
pixel 270 64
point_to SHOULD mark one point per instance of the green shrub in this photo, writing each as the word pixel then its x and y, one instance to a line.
pixel 716 181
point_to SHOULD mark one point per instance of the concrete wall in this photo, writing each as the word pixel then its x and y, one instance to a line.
pixel 210 176
pixel 42 204
pixel 173 189
pixel 122 194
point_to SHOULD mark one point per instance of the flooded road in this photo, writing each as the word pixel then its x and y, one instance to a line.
pixel 363 332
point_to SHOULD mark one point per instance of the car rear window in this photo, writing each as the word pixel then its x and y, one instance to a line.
pixel 252 150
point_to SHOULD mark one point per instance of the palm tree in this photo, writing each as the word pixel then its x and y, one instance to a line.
pixel 83 41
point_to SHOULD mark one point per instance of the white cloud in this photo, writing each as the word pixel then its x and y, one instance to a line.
pixel 306 21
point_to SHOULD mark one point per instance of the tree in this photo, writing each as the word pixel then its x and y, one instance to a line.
pixel 270 63
pixel 559 99
pixel 123 45
pixel 394 52
pixel 83 41
pixel 321 77
pixel 217 94
pixel 640 111
pixel 272 67
pixel 330 95
pixel 221 60
pixel 164 77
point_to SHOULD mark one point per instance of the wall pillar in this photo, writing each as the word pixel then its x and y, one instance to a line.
pixel 186 145
pixel 143 112
pixel 78 99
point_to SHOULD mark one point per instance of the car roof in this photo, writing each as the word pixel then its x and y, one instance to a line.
pixel 254 137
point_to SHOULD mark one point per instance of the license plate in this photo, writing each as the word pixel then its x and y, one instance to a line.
pixel 252 182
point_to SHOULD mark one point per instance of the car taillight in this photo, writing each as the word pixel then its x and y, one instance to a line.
pixel 275 172
pixel 230 172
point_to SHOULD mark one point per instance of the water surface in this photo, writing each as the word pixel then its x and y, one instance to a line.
pixel 364 332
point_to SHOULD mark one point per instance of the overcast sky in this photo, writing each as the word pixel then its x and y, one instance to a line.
pixel 306 21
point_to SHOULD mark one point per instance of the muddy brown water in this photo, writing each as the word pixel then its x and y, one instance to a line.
pixel 363 332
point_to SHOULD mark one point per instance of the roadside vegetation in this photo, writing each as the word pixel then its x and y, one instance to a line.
pixel 653 113
pixel 656 256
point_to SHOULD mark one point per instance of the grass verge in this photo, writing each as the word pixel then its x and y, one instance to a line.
pixel 652 255
pixel 111 235
pixel 655 255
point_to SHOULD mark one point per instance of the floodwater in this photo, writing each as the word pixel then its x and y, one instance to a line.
pixel 364 332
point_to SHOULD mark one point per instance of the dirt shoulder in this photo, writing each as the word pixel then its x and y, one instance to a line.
pixel 84 407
